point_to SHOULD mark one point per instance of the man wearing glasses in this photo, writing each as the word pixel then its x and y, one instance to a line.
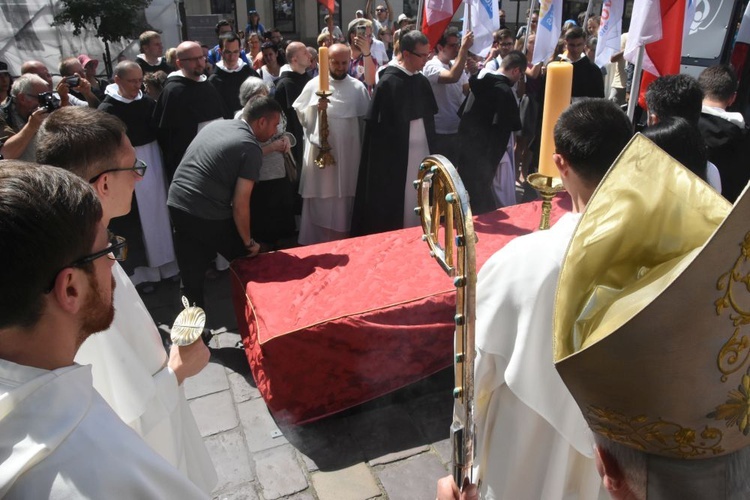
pixel 399 133
pixel 131 370
pixel 187 103
pixel 383 15
pixel 59 437
pixel 21 117
pixel 230 71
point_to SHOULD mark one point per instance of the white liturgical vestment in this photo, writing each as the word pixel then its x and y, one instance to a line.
pixel 129 366
pixel 532 440
pixel 60 440
pixel 328 193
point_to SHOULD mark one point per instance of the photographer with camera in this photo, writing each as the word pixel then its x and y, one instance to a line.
pixel 21 116
pixel 74 76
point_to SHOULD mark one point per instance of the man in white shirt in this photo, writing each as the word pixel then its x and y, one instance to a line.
pixel 58 437
pixel 450 85
pixel 130 368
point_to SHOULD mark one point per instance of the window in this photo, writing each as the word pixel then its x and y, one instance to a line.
pixel 284 16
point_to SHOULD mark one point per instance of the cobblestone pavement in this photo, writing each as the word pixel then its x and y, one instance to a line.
pixel 394 447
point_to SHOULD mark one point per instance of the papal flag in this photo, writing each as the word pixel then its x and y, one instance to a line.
pixel 548 30
pixel 610 31
pixel 483 18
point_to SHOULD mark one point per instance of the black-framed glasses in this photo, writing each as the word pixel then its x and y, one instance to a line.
pixel 116 250
pixel 423 56
pixel 139 167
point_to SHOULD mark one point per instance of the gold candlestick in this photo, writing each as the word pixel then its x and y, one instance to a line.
pixel 324 157
pixel 547 187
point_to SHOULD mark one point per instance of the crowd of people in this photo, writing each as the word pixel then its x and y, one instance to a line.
pixel 199 155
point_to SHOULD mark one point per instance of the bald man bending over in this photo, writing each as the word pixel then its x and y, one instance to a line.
pixel 187 103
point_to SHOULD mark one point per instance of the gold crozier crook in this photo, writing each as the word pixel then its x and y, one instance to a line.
pixel 449 232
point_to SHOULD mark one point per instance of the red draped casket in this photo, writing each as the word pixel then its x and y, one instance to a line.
pixel 330 326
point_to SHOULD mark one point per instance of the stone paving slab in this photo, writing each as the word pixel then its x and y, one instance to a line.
pixel 385 430
pixel 242 390
pixel 243 492
pixel 261 432
pixel 352 483
pixel 279 472
pixel 212 379
pixel 397 455
pixel 412 479
pixel 214 413
pixel 444 450
pixel 231 459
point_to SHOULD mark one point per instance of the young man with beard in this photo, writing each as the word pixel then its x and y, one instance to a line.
pixel 59 437
pixel 230 71
pixel 328 193
pixel 131 370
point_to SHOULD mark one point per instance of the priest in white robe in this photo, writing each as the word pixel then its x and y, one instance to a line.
pixel 131 369
pixel 328 193
pixel 58 437
pixel 532 440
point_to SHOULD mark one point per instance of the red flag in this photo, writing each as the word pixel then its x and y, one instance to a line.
pixel 436 17
pixel 328 4
pixel 666 53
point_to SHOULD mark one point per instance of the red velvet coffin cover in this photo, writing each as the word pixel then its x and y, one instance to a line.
pixel 330 326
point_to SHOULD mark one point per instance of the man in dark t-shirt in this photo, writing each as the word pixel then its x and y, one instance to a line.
pixel 209 198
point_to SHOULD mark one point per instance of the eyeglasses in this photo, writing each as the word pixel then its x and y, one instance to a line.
pixel 196 58
pixel 139 167
pixel 423 56
pixel 116 250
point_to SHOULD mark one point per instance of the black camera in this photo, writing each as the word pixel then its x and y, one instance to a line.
pixel 73 81
pixel 49 101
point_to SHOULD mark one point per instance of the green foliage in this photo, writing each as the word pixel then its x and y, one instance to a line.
pixel 113 20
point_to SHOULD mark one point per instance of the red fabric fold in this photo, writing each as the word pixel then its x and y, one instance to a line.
pixel 330 326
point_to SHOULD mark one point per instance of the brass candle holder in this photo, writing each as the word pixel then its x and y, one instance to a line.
pixel 324 158
pixel 547 187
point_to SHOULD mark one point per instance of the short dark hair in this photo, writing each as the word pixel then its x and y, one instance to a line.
pixel 80 139
pixel 514 59
pixel 443 40
pixel 682 141
pixel 675 95
pixel 220 25
pixel 590 135
pixel 48 219
pixel 228 37
pixel 574 32
pixel 259 107
pixel 718 82
pixel 409 41
pixel 502 33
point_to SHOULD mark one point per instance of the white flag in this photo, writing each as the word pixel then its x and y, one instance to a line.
pixel 437 10
pixel 610 30
pixel 485 19
pixel 548 30
pixel 645 28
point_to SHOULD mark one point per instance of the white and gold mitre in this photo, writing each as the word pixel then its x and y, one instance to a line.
pixel 652 314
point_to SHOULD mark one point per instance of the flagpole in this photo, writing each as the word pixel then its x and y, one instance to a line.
pixel 419 15
pixel 468 16
pixel 635 86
